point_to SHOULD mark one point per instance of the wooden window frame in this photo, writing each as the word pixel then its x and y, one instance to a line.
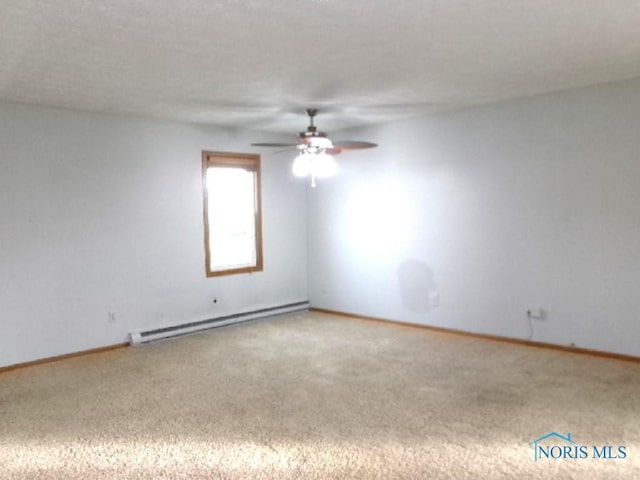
pixel 247 161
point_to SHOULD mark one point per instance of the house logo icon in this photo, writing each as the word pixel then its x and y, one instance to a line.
pixel 567 445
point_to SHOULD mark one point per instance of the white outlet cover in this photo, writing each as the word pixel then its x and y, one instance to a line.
pixel 537 313
pixel 434 299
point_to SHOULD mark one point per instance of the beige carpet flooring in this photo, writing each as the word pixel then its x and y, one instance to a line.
pixel 314 396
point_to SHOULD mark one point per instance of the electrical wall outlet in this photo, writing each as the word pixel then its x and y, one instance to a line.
pixel 434 299
pixel 536 313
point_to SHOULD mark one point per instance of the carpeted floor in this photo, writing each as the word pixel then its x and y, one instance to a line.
pixel 316 396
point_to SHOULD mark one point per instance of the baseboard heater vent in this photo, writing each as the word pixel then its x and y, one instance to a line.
pixel 138 338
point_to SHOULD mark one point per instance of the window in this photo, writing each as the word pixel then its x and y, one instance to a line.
pixel 232 213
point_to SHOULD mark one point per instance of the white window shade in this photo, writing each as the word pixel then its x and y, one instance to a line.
pixel 231 217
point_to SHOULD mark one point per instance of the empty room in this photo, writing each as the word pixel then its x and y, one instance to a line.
pixel 319 239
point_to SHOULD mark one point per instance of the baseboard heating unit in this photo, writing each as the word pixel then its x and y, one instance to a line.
pixel 138 338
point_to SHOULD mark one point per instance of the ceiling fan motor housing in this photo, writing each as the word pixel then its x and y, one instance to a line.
pixel 312 130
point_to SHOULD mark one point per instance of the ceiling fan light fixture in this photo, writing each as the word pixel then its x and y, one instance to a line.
pixel 302 165
pixel 324 165
pixel 314 163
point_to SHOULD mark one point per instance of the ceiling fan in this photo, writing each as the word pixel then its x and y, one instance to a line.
pixel 315 151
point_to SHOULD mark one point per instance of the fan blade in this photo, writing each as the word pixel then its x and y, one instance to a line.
pixel 333 151
pixel 353 145
pixel 274 144
pixel 288 149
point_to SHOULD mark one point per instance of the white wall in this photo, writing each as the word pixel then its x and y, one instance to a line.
pixel 103 213
pixel 527 203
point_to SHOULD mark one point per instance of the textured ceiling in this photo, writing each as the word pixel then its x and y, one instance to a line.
pixel 258 63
